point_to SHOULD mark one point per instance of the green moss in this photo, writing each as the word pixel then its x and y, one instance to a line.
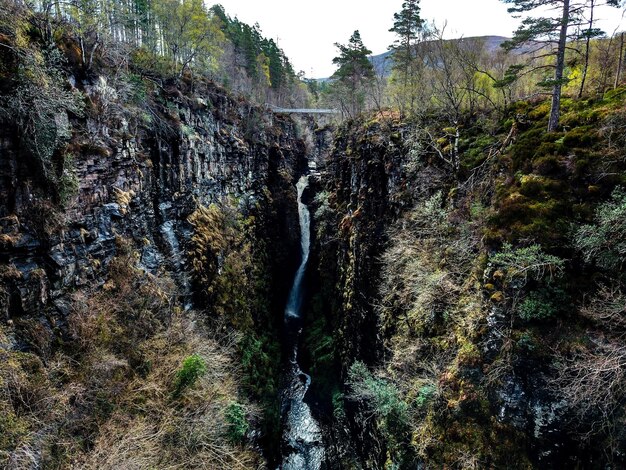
pixel 524 150
pixel 615 96
pixel 68 182
pixel 12 430
pixel 534 186
pixel 475 151
pixel 550 165
pixel 580 137
pixel 540 112
pixel 468 354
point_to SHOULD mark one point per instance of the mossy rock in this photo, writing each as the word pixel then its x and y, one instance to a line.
pixel 534 186
pixel 549 165
pixel 616 95
pixel 584 136
pixel 540 112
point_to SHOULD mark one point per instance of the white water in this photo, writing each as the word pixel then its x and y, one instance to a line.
pixel 302 437
pixel 294 304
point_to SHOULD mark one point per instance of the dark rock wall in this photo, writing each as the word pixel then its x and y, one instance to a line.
pixel 369 182
pixel 209 148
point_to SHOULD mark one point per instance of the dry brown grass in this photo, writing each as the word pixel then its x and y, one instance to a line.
pixel 105 400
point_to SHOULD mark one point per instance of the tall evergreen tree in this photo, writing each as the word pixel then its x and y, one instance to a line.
pixel 549 36
pixel 354 74
pixel 409 28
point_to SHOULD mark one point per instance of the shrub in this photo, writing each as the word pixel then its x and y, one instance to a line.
pixel 39 106
pixel 237 423
pixel 382 397
pixel 339 411
pixel 258 359
pixel 605 241
pixel 542 304
pixel 192 369
pixel 528 263
pixel 425 395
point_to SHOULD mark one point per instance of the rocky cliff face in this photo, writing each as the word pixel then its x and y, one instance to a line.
pixel 366 184
pixel 192 186
pixel 432 348
pixel 201 149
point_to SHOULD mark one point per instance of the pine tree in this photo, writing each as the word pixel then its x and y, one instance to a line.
pixel 410 30
pixel 408 26
pixel 549 36
pixel 354 74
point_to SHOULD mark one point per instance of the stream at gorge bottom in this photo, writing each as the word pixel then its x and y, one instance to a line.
pixel 302 445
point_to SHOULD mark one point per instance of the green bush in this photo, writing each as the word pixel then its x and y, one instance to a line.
pixel 339 411
pixel 536 307
pixel 192 369
pixel 528 262
pixel 382 397
pixel 258 359
pixel 526 342
pixel 425 395
pixel 605 241
pixel 237 423
pixel 544 303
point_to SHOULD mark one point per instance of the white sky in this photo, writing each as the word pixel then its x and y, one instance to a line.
pixel 307 29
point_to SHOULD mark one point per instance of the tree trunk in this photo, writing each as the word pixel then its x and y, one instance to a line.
pixel 587 45
pixel 555 110
pixel 620 61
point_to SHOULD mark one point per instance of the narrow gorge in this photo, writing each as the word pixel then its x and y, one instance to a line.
pixel 302 435
pixel 209 261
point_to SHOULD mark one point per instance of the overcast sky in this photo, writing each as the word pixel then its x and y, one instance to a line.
pixel 307 29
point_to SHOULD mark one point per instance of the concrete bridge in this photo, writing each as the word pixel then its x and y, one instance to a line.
pixel 278 110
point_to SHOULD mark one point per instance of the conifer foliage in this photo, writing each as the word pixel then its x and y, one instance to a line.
pixel 354 74
pixel 171 38
pixel 548 36
pixel 410 30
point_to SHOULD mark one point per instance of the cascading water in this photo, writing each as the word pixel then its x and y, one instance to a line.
pixel 294 304
pixel 302 437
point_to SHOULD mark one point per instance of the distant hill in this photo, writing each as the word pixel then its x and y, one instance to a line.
pixel 384 62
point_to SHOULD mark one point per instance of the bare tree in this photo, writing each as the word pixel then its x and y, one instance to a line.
pixel 620 61
pixel 592 378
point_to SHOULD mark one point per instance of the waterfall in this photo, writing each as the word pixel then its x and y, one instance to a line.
pixel 302 437
pixel 294 304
